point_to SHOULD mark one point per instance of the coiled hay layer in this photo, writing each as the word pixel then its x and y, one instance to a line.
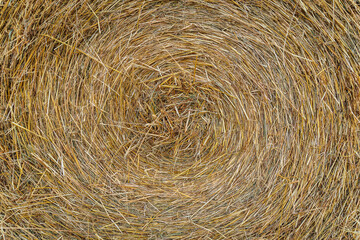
pixel 179 119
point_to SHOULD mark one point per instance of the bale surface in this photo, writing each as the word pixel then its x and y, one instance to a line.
pixel 179 119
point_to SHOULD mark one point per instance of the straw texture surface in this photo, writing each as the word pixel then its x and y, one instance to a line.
pixel 179 119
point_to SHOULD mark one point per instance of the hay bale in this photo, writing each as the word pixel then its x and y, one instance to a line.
pixel 179 119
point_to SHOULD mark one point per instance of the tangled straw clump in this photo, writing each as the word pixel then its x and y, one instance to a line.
pixel 179 119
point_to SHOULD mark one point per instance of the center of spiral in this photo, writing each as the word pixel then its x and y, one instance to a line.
pixel 176 115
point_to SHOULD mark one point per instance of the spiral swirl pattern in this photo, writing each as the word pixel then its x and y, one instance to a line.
pixel 180 119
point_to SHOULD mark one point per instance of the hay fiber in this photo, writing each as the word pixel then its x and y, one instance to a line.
pixel 187 119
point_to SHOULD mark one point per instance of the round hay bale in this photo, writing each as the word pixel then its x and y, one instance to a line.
pixel 179 119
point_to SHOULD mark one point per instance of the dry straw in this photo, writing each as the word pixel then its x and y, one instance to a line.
pixel 179 119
